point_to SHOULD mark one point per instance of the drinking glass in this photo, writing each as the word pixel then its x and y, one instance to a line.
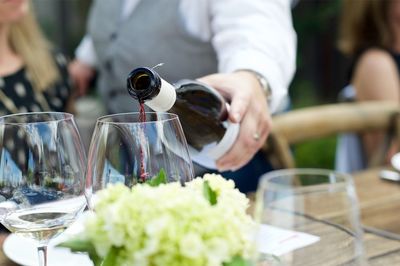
pixel 42 169
pixel 128 151
pixel 309 217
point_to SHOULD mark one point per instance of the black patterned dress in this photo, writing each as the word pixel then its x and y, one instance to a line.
pixel 18 95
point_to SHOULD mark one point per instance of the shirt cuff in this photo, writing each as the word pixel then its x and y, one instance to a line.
pixel 267 67
pixel 86 52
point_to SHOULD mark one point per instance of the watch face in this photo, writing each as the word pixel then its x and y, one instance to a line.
pixel 264 84
pixel 262 81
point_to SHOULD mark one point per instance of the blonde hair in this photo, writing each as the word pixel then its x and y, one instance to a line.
pixel 28 41
pixel 364 24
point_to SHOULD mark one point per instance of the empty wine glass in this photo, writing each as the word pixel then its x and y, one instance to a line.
pixel 42 169
pixel 128 151
pixel 308 217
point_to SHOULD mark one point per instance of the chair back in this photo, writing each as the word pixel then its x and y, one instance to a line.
pixel 315 122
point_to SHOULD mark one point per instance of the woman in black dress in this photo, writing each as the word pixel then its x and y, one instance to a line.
pixel 32 77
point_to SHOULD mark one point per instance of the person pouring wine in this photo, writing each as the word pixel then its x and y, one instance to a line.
pixel 243 49
pixel 202 111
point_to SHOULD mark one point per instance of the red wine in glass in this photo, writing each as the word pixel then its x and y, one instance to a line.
pixel 142 120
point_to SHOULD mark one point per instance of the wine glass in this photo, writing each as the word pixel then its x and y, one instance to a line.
pixel 42 169
pixel 308 217
pixel 124 149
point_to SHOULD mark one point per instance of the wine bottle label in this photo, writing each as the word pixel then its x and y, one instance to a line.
pixel 214 151
pixel 226 142
pixel 165 98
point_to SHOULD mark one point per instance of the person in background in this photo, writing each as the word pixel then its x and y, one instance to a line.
pixel 370 35
pixel 244 49
pixel 32 77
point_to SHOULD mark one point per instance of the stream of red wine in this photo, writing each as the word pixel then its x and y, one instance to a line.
pixel 142 119
pixel 142 112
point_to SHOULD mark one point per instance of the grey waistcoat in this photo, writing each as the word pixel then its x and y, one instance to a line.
pixel 154 33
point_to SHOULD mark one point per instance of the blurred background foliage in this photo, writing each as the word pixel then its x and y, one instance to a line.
pixel 321 70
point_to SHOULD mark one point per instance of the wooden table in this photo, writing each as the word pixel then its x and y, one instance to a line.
pixel 380 213
pixel 379 201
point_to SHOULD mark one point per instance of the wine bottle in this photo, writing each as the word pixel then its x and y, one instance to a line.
pixel 201 109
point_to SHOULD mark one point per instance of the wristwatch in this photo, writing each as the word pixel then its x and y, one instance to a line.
pixel 262 81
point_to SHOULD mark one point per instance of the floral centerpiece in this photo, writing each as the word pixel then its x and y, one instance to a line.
pixel 202 223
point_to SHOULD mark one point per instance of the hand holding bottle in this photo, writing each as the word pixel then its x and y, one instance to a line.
pixel 203 113
pixel 249 108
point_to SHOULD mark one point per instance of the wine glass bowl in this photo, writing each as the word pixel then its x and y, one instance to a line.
pixel 42 174
pixel 320 203
pixel 124 149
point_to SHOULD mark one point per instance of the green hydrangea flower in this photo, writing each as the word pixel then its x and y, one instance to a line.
pixel 171 225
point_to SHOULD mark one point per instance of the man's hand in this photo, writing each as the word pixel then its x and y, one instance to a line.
pixel 249 108
pixel 81 75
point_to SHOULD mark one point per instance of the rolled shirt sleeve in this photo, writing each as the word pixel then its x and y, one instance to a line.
pixel 257 35
pixel 246 34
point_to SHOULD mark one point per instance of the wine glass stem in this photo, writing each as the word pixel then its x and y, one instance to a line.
pixel 42 253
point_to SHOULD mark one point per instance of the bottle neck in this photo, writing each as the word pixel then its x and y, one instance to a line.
pixel 145 85
pixel 165 99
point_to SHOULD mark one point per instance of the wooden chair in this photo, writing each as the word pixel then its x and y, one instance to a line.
pixel 321 121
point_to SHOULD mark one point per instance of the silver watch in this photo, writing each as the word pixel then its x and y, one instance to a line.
pixel 262 81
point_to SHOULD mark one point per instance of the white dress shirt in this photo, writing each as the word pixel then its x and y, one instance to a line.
pixel 246 34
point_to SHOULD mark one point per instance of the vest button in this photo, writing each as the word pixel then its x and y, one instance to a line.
pixel 113 36
pixel 108 65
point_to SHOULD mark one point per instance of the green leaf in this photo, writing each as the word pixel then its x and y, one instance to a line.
pixel 97 261
pixel 160 178
pixel 209 194
pixel 111 257
pixel 238 261
pixel 77 245
pixel 82 245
